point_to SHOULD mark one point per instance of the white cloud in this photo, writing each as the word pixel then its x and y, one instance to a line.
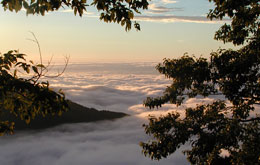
pixel 169 1
pixel 154 9
pixel 116 87
pixel 86 13
pixel 114 143
pixel 174 18
pixel 67 11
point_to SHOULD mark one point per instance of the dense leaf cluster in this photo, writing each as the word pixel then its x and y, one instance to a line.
pixel 231 127
pixel 25 97
pixel 119 11
pixel 245 20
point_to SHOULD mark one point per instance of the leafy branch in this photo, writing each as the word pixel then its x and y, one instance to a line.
pixel 27 97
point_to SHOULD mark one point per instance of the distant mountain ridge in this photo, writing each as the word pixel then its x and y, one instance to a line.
pixel 76 114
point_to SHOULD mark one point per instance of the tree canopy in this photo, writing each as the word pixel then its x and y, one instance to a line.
pixel 230 126
pixel 25 97
pixel 117 11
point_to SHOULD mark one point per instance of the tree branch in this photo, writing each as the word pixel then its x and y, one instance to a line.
pixel 252 119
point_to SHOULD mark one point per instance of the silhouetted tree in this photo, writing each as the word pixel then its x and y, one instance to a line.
pixel 117 11
pixel 212 129
pixel 25 97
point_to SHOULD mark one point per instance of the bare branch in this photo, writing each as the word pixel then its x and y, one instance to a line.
pixel 252 119
pixel 44 70
pixel 66 60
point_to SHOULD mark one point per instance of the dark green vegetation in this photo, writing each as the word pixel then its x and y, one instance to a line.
pixel 235 74
pixel 76 114
pixel 117 11
pixel 26 98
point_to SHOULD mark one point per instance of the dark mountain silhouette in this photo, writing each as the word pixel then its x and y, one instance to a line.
pixel 76 114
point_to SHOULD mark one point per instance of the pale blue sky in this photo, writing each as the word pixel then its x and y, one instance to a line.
pixel 169 29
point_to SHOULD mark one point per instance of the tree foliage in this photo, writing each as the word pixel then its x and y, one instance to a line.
pixel 117 11
pixel 25 97
pixel 231 125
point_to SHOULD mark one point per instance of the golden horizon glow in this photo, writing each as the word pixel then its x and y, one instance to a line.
pixel 87 39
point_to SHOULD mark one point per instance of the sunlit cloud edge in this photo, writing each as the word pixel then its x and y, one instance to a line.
pixel 175 19
pixel 169 1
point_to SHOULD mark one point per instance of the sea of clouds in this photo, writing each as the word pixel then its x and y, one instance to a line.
pixel 110 86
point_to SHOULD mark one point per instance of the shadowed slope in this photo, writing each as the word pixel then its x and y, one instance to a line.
pixel 76 114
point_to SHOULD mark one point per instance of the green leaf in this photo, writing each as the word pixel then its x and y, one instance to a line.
pixel 25 5
pixel 130 14
pixel 40 65
pixel 35 69
pixel 15 73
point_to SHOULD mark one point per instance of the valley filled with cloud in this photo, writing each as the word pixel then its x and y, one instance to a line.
pixel 114 87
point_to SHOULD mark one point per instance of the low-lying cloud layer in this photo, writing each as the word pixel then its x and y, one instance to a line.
pixel 102 143
pixel 116 87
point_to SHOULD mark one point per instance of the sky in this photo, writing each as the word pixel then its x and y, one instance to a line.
pixel 168 30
